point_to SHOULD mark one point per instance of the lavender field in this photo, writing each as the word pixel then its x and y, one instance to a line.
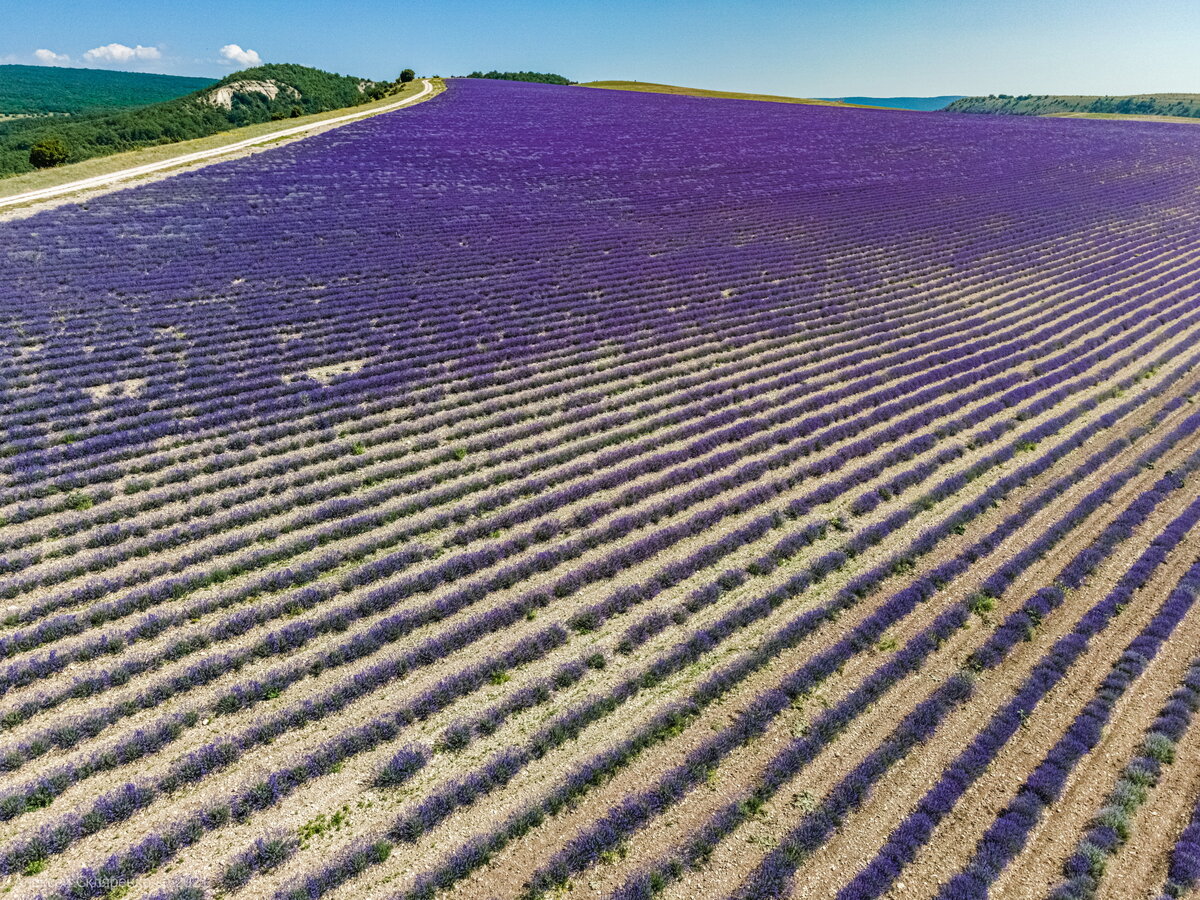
pixel 555 492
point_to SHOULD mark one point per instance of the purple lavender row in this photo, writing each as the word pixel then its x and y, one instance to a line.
pixel 667 723
pixel 636 811
pixel 119 805
pixel 43 604
pixel 908 837
pixel 1008 834
pixel 94 613
pixel 505 766
pixel 462 732
pixel 1112 825
pixel 174 538
pixel 215 391
pixel 1183 869
pixel 774 875
pixel 281 645
pixel 15 587
pixel 265 854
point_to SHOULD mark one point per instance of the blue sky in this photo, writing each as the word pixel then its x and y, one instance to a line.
pixel 815 48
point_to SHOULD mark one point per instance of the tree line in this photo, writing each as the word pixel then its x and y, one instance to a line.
pixel 539 77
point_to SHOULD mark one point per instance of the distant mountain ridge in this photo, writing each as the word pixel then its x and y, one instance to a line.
pixel 260 94
pixel 47 90
pixel 1186 105
pixel 924 104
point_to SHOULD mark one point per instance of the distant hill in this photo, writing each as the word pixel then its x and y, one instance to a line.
pixel 42 90
pixel 923 104
pixel 1184 105
pixel 652 88
pixel 260 94
pixel 537 77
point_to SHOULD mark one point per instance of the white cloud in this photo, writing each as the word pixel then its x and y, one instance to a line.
pixel 245 58
pixel 120 53
pixel 50 58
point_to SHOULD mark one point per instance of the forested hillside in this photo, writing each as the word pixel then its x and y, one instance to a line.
pixel 1050 104
pixel 43 90
pixel 260 94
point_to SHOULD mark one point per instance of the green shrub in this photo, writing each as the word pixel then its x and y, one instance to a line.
pixel 49 152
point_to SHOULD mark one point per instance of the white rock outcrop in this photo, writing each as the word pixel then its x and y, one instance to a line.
pixel 223 96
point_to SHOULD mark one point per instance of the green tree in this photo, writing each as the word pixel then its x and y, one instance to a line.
pixel 49 152
pixel 407 75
